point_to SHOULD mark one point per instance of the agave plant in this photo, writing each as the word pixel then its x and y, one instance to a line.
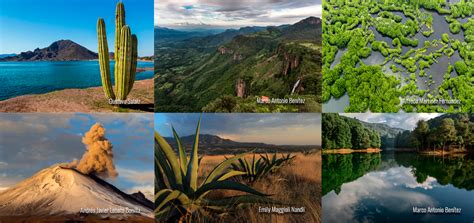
pixel 256 169
pixel 179 197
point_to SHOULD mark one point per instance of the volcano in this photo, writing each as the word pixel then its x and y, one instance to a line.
pixel 63 193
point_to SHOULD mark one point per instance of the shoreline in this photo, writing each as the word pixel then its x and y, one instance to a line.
pixel 442 153
pixel 84 100
pixel 349 151
pixel 139 70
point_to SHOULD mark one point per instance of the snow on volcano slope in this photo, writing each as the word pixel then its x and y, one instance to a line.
pixel 60 191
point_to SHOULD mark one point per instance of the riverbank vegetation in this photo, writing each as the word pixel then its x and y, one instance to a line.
pixel 444 134
pixel 413 45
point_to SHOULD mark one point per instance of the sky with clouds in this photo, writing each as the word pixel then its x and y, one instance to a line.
pixel 394 190
pixel 395 120
pixel 233 14
pixel 279 129
pixel 31 142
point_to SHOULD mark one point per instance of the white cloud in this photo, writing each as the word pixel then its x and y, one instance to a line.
pixel 395 120
pixel 392 190
pixel 233 14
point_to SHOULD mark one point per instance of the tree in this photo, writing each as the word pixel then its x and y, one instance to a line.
pixel 360 137
pixel 420 133
pixel 461 67
pixel 447 132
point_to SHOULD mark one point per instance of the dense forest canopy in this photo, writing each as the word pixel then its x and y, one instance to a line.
pixel 342 132
pixel 448 131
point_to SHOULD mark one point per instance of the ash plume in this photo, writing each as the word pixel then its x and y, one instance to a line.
pixel 98 158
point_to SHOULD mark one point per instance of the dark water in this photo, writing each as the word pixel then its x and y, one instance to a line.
pixel 385 187
pixel 21 78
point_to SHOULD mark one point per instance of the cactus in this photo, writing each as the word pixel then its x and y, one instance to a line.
pixel 104 56
pixel 125 57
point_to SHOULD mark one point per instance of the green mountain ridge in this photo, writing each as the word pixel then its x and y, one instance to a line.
pixel 200 75
pixel 383 129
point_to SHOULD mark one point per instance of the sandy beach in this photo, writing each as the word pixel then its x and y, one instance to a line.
pixel 81 100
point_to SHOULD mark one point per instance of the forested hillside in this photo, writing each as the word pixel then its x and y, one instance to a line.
pixel 227 72
pixel 342 132
pixel 445 132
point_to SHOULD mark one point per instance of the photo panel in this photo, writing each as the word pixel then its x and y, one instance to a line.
pixel 76 56
pixel 238 167
pixel 76 168
pixel 398 56
pixel 397 167
pixel 238 56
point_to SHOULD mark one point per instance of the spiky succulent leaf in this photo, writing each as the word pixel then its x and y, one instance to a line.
pixel 221 168
pixel 182 153
pixel 192 172
pixel 170 157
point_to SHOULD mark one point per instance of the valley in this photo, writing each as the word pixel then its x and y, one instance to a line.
pixel 231 70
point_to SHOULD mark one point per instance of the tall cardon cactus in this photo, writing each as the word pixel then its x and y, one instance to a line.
pixel 125 57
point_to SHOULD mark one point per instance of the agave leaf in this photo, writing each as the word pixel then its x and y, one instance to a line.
pixel 161 193
pixel 160 157
pixel 225 184
pixel 193 166
pixel 242 165
pixel 159 178
pixel 220 168
pixel 247 166
pixel 165 196
pixel 230 174
pixel 182 153
pixel 170 156
pixel 164 214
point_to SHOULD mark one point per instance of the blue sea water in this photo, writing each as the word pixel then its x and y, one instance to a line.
pixel 21 78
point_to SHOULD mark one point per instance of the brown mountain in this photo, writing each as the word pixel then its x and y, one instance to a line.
pixel 62 50
pixel 212 144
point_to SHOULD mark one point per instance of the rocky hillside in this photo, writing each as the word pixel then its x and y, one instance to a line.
pixel 62 50
pixel 275 61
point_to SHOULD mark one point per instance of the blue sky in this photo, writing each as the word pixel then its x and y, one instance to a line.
pixel 279 129
pixel 32 142
pixel 30 24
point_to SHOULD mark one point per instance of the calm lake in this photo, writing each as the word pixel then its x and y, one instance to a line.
pixel 385 187
pixel 21 78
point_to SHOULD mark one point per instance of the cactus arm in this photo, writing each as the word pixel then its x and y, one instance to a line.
pixel 124 63
pixel 104 61
pixel 119 23
pixel 133 70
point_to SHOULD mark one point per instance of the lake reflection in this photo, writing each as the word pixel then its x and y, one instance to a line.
pixel 385 187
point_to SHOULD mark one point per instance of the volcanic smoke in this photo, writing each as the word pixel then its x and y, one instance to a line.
pixel 98 158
